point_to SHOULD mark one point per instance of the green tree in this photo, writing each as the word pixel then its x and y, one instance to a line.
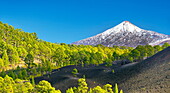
pixel 108 88
pixel 12 54
pixel 135 54
pixel 70 90
pixel 11 74
pixel 46 65
pixel 20 74
pixel 22 53
pixel 32 80
pixel 3 74
pixel 1 63
pixel 1 85
pixel 116 55
pixel 157 48
pixel 121 91
pixel 74 72
pixel 165 45
pixel 82 86
pixel 116 90
pixel 60 57
pixel 98 89
pixel 130 59
pixel 150 50
pixel 45 87
pixel 5 58
pixel 8 85
pixel 22 86
pixel 24 74
pixel 29 59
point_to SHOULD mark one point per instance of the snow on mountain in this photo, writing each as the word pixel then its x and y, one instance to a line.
pixel 125 34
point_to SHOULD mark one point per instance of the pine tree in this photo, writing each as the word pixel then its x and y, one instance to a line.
pixel 1 63
pixel 5 58
pixel 24 74
pixel 82 88
pixel 20 75
pixel 29 59
pixel 74 72
pixel 11 74
pixel 70 90
pixel 45 87
pixel 116 90
pixel 8 85
pixel 108 88
pixel 32 80
pixel 98 89
pixel 121 91
pixel 3 74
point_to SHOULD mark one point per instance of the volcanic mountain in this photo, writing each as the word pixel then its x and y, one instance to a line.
pixel 126 34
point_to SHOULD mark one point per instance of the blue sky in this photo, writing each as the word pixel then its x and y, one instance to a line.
pixel 66 21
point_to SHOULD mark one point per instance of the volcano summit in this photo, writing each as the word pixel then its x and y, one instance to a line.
pixel 126 34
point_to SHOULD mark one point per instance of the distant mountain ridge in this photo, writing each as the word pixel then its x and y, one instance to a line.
pixel 126 34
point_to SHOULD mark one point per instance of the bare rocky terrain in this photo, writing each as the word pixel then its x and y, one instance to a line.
pixel 149 76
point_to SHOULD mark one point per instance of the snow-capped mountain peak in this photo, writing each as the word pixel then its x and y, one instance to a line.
pixel 125 26
pixel 125 34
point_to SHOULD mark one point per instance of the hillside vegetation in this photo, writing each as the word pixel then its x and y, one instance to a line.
pixel 149 76
pixel 8 85
pixel 24 56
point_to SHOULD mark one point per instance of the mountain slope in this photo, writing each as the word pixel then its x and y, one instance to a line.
pixel 149 76
pixel 125 34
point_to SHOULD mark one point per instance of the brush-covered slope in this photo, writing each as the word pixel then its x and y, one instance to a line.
pixel 125 34
pixel 149 76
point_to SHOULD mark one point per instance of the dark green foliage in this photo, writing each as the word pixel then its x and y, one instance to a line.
pixel 24 74
pixel 11 74
pixel 46 65
pixel 29 59
pixel 135 54
pixel 20 75
pixel 3 74
pixel 32 80
pixel 116 56
pixel 165 45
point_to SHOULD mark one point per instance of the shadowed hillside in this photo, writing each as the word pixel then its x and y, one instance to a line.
pixel 150 76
